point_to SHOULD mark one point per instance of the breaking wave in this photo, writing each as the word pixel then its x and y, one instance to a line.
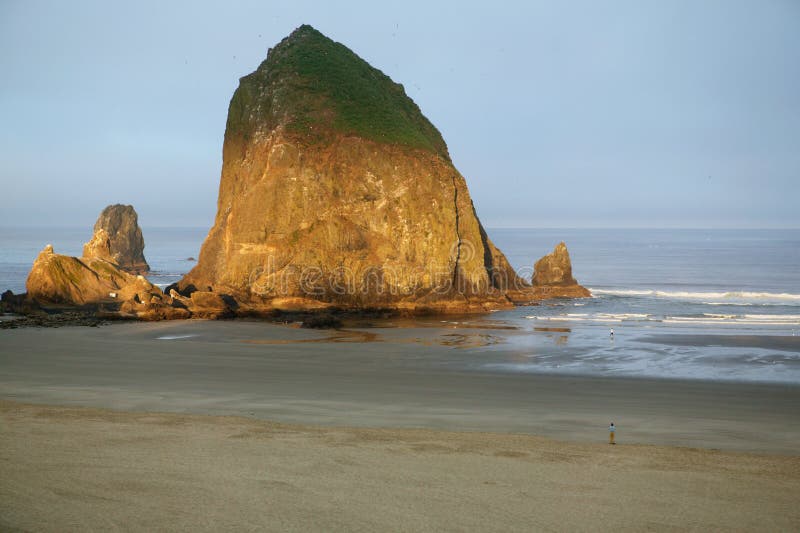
pixel 708 298
pixel 695 319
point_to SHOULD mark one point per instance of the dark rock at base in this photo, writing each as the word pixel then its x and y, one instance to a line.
pixel 321 321
pixel 204 304
pixel 55 320
pixel 185 290
pixel 11 303
pixel 153 310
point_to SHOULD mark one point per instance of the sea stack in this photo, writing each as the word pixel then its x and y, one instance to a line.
pixel 552 276
pixel 336 190
pixel 118 239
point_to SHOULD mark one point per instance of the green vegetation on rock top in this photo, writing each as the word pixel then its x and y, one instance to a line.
pixel 313 85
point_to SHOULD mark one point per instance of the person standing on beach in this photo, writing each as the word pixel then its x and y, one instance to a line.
pixel 611 429
pixel 612 333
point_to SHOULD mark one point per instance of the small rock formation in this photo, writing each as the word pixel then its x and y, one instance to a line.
pixel 118 239
pixel 552 276
pixel 554 269
pixel 335 189
pixel 67 281
pixel 63 279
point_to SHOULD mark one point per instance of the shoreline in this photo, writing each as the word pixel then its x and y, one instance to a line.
pixel 70 469
pixel 408 378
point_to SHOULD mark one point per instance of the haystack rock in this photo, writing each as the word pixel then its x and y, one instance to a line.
pixel 336 190
pixel 552 276
pixel 118 239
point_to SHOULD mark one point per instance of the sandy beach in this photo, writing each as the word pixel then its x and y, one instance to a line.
pixel 246 425
pixel 81 469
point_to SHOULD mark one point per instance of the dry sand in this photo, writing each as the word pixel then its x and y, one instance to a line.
pixel 80 469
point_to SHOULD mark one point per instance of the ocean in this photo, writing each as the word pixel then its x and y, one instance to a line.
pixel 167 251
pixel 703 304
pixel 692 304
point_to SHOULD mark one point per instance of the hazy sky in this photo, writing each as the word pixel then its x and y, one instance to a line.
pixel 658 114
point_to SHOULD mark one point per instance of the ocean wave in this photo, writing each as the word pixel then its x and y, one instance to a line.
pixel 694 319
pixel 749 304
pixel 738 322
pixel 727 296
pixel 597 317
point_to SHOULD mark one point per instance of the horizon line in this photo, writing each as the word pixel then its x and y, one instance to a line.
pixel 184 226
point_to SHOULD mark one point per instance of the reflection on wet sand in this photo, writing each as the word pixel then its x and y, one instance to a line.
pixel 438 324
pixel 339 335
pixel 356 331
pixel 469 340
pixel 456 340
pixel 560 339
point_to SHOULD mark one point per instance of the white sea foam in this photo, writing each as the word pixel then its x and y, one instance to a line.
pixel 718 321
pixel 702 319
pixel 727 296
pixel 788 318
pixel 747 304
pixel 598 317
pixel 174 337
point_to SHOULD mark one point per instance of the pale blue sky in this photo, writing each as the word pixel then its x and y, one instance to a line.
pixel 559 114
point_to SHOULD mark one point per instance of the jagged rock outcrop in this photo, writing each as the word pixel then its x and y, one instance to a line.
pixel 554 269
pixel 552 276
pixel 99 246
pixel 335 189
pixel 93 282
pixel 118 239
pixel 64 279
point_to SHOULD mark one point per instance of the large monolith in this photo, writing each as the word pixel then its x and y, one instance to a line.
pixel 335 189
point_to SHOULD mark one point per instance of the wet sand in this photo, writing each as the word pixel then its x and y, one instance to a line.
pixel 404 378
pixel 768 342
pixel 245 425
pixel 80 469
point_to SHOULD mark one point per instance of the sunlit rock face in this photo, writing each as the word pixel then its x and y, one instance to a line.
pixel 552 275
pixel 335 189
pixel 95 283
pixel 57 278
